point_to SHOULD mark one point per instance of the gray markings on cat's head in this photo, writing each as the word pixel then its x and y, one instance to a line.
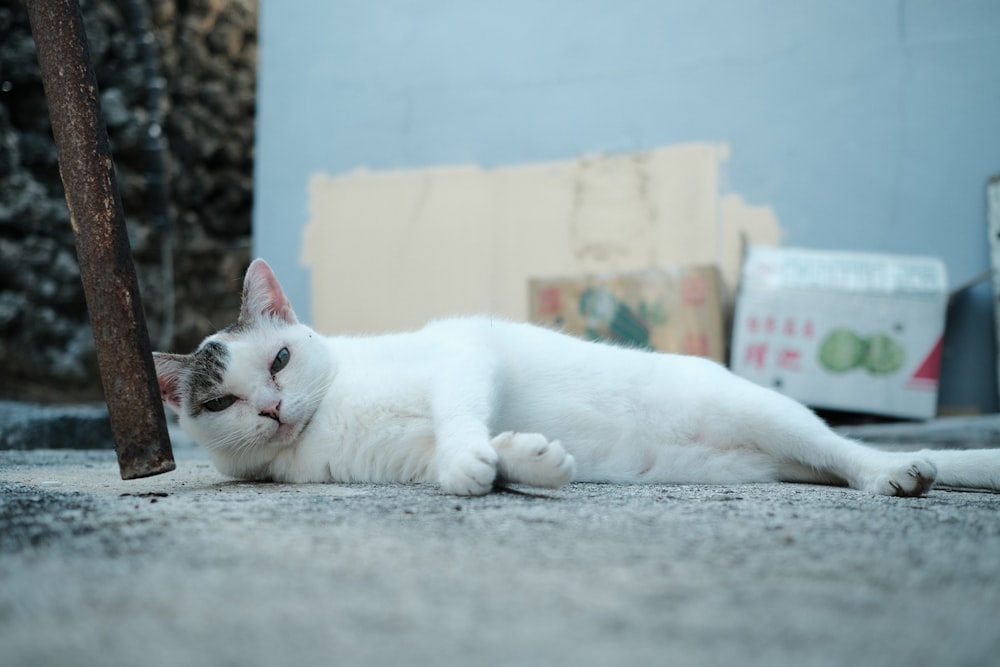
pixel 205 373
pixel 236 328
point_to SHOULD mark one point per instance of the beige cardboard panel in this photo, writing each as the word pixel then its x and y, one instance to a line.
pixel 743 224
pixel 391 250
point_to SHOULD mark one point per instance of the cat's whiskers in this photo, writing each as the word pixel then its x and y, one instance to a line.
pixel 228 441
pixel 243 443
pixel 314 392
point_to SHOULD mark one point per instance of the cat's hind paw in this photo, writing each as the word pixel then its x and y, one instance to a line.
pixel 470 473
pixel 533 459
pixel 911 479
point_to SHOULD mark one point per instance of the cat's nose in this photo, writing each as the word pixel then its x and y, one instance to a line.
pixel 272 412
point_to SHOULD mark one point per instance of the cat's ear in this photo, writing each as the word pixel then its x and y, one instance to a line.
pixel 263 296
pixel 169 370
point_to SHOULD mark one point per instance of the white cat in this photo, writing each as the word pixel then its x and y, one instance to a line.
pixel 468 402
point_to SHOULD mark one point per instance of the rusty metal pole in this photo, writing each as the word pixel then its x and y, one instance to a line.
pixel 95 211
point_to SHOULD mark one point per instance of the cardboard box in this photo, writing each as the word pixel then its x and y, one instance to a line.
pixel 669 310
pixel 846 331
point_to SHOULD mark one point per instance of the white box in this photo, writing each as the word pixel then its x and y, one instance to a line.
pixel 845 331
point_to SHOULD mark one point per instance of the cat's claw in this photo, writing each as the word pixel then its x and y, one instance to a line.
pixel 908 480
pixel 533 459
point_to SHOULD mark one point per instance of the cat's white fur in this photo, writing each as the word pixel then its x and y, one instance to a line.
pixel 464 402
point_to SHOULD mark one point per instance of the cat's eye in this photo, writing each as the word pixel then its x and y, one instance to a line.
pixel 280 360
pixel 219 404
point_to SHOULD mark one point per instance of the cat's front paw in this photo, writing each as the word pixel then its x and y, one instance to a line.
pixel 909 479
pixel 533 459
pixel 469 473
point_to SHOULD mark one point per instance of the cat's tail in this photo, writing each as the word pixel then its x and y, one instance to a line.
pixel 969 468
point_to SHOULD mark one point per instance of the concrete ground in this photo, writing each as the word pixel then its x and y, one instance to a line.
pixel 192 569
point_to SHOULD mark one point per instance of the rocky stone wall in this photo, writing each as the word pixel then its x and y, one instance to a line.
pixel 206 51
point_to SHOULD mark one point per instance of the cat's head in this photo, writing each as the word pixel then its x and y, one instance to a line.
pixel 252 389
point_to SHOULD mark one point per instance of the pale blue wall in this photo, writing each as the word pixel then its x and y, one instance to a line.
pixel 865 124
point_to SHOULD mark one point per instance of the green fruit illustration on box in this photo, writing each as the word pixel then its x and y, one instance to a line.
pixel 885 356
pixel 843 350
pixel 608 318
